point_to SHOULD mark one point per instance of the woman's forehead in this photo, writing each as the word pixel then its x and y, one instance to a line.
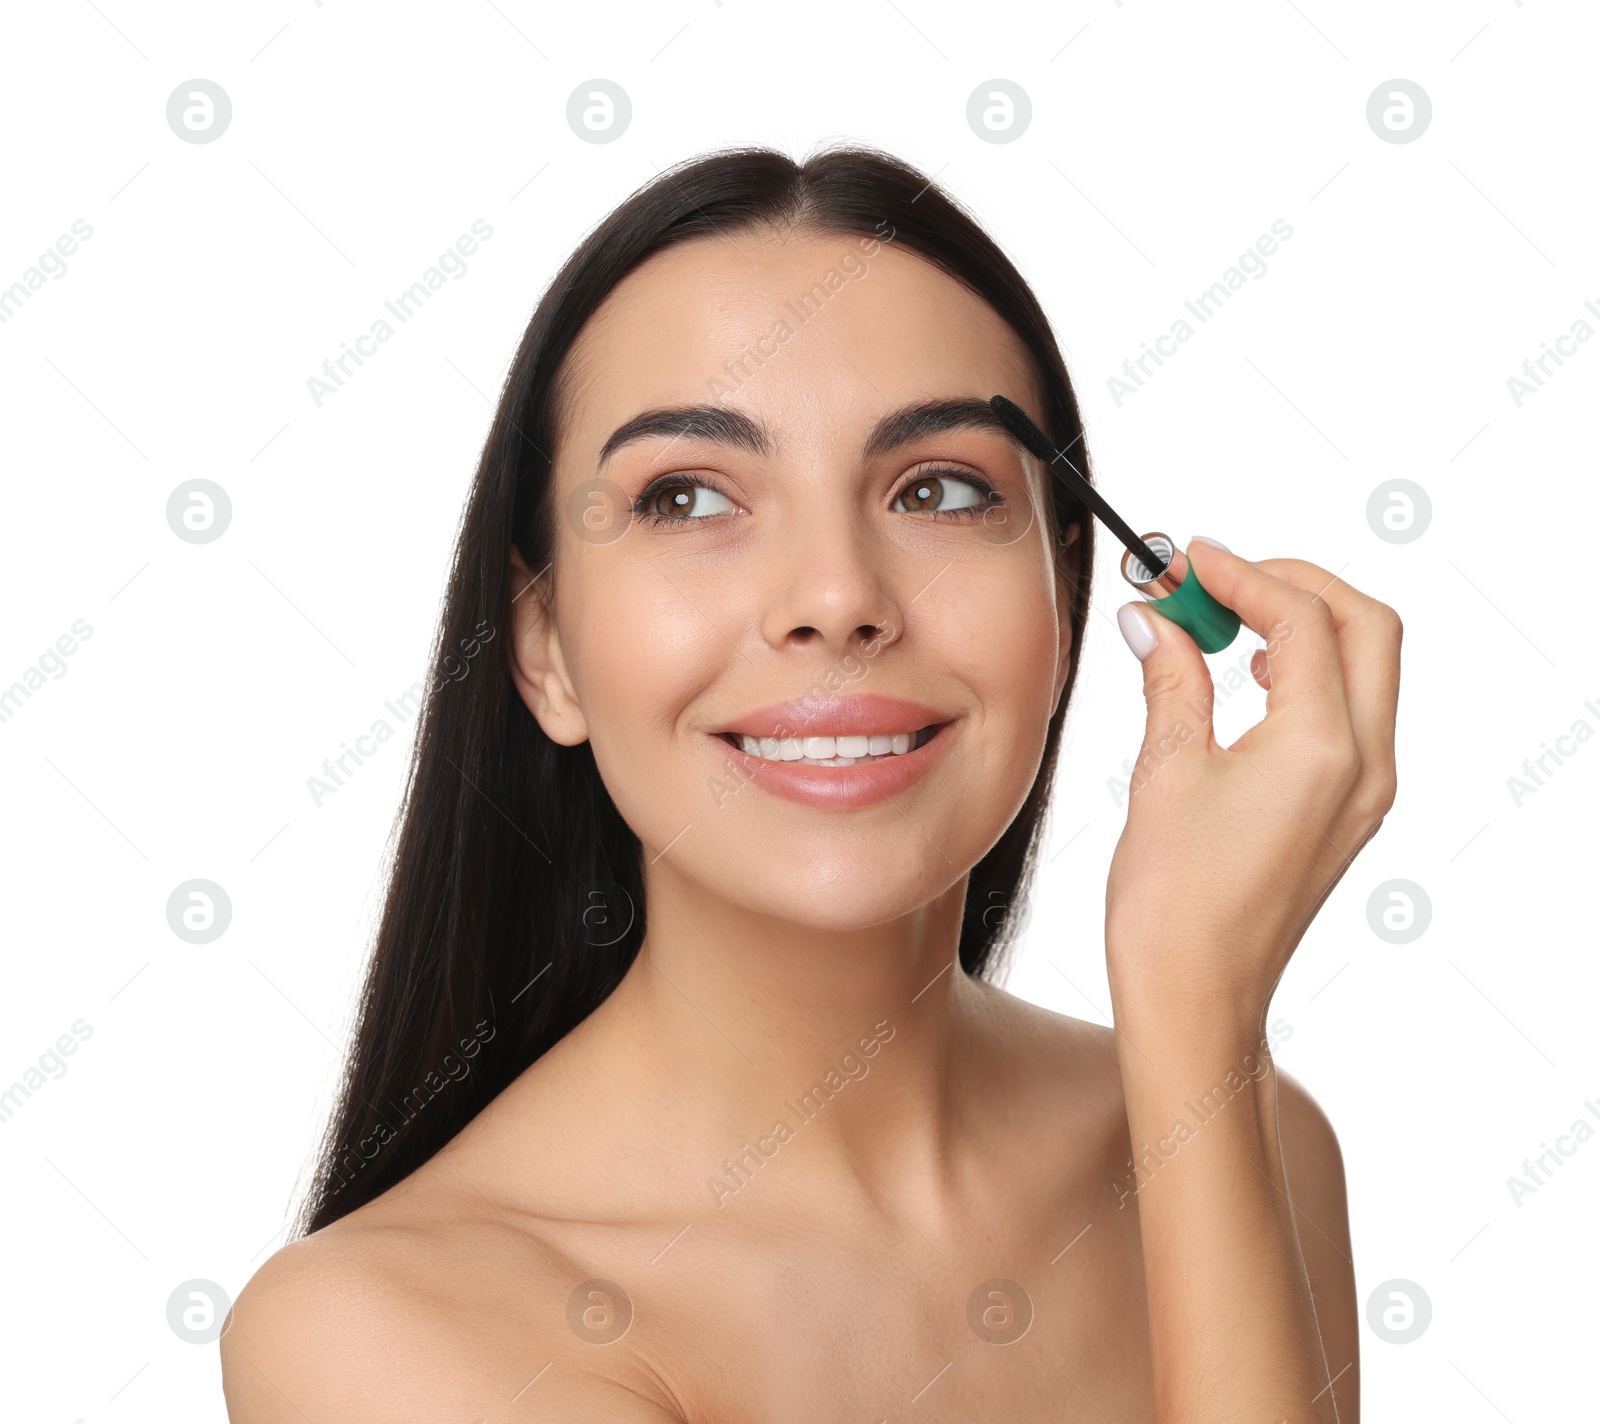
pixel 799 327
pixel 721 291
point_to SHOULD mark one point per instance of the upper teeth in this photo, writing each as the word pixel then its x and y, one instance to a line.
pixel 828 751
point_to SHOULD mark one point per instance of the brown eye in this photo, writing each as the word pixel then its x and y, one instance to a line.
pixel 939 495
pixel 685 502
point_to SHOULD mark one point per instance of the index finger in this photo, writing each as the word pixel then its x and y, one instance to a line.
pixel 1298 625
pixel 1369 649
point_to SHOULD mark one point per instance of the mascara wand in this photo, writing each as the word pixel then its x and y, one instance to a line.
pixel 1153 564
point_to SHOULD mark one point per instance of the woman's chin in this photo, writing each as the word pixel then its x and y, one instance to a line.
pixel 836 897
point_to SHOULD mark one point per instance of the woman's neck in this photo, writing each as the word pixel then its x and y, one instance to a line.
pixel 860 1042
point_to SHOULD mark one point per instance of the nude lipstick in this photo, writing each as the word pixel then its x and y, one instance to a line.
pixel 836 753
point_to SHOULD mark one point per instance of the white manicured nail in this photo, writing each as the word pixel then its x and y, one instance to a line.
pixel 1137 629
pixel 1215 543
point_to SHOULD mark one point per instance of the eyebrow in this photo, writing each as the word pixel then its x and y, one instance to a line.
pixel 731 427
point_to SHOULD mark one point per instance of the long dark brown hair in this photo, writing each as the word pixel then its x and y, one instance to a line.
pixel 515 893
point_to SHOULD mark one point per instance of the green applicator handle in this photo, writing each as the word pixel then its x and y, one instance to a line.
pixel 1174 589
pixel 1183 600
pixel 1194 610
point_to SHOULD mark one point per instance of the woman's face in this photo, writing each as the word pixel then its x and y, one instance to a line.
pixel 799 557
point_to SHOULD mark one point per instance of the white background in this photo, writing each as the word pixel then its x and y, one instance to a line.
pixel 1165 138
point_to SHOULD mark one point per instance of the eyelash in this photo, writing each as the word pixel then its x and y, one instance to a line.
pixel 991 496
pixel 641 506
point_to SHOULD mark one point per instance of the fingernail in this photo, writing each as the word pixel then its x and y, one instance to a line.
pixel 1215 543
pixel 1137 630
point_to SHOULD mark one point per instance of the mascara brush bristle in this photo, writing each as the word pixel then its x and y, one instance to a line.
pixel 1021 425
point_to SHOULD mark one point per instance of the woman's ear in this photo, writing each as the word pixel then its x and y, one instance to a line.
pixel 537 666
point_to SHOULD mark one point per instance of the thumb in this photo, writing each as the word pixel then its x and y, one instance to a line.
pixel 1178 694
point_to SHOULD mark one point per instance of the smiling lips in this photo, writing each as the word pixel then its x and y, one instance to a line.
pixel 838 752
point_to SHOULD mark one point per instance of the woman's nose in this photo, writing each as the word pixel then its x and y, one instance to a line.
pixel 828 583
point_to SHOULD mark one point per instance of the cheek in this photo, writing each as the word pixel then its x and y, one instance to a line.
pixel 995 629
pixel 1000 639
pixel 639 651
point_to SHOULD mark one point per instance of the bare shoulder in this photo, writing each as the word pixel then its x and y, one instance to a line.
pixel 1309 1137
pixel 1069 1071
pixel 1314 1165
pixel 1062 1068
pixel 383 1318
pixel 1054 1039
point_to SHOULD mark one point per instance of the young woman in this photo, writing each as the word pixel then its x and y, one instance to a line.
pixel 682 1089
